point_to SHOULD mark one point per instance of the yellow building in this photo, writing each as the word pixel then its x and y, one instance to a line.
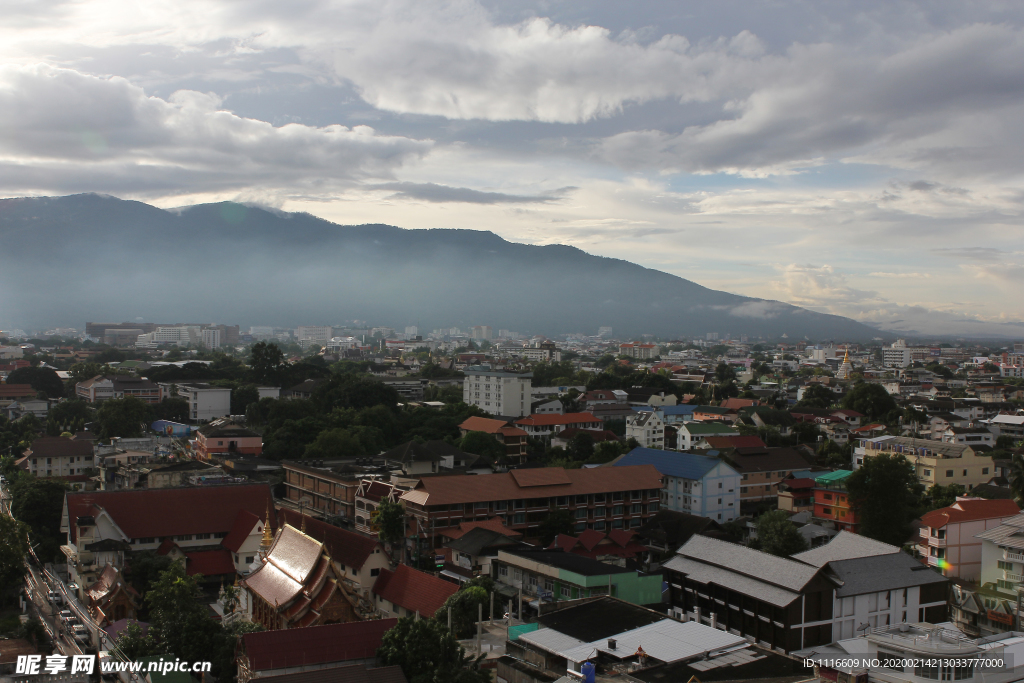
pixel 936 462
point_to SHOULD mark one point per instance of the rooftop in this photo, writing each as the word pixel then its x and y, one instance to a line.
pixel 413 590
pixel 571 562
pixel 669 463
pixel 969 511
pixel 314 644
pixel 877 573
pixel 845 546
pixel 598 618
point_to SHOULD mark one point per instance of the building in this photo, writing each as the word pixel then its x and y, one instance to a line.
pixel 110 598
pixel 809 600
pixel 548 425
pixel 58 456
pixel 369 495
pixel 556 575
pixel 358 558
pixel 694 484
pixel 102 388
pixel 935 649
pixel 616 545
pixel 498 393
pixel 1002 555
pixel 17 392
pixel 647 428
pixel 614 497
pixel 102 526
pixel 307 335
pixel 428 457
pixel 936 462
pixel 224 438
pixel 948 536
pixel 321 490
pixel 205 401
pixel 668 530
pixel 762 469
pixel 473 550
pixel 212 338
pixel 897 356
pixel 294 584
pixel 408 592
pixel 266 654
pixel 690 433
pixel 973 436
pixel 796 495
pixel 832 504
pixel 639 351
pixel 513 438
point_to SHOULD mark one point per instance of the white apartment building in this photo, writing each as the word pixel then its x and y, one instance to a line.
pixel 1002 555
pixel 315 334
pixel 694 484
pixel 896 356
pixel 57 456
pixel 211 338
pixel 205 402
pixel 647 428
pixel 498 393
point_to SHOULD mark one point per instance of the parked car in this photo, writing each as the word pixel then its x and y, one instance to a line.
pixel 80 632
pixel 55 598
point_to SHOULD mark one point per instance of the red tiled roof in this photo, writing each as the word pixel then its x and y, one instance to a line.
pixel 594 544
pixel 739 403
pixel 314 645
pixel 346 547
pixel 17 391
pixel 512 431
pixel 209 562
pixel 482 424
pixel 550 419
pixel 801 483
pixel 540 476
pixel 459 489
pixel 735 442
pixel 869 428
pixel 598 436
pixel 969 511
pixel 414 590
pixel 245 522
pixel 155 513
pixel 377 491
pixel 494 524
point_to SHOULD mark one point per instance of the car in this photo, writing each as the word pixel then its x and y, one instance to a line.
pixel 65 616
pixel 73 587
pixel 55 597
pixel 80 632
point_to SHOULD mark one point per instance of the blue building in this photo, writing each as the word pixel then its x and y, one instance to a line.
pixel 695 484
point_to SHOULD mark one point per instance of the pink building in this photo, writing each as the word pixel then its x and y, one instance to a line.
pixel 947 536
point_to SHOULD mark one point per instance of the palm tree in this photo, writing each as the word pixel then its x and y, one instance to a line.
pixel 1017 477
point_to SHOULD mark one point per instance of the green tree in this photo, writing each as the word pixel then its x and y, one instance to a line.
pixel 41 379
pixel 126 417
pixel 144 569
pixel 224 657
pixel 779 536
pixel 580 447
pixel 605 452
pixel 333 443
pixel 817 396
pixel 39 503
pixel 133 645
pixel 70 411
pixel 482 443
pixel 725 373
pixel 389 520
pixel 242 396
pixel 179 618
pixel 172 408
pixel 429 653
pixel 871 400
pixel 558 521
pixel 464 606
pixel 265 360
pixel 886 492
pixel 943 496
pixel 13 548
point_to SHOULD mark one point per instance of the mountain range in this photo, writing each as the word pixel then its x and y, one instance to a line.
pixel 65 260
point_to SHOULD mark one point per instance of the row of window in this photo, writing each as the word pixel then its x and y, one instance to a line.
pixel 949 473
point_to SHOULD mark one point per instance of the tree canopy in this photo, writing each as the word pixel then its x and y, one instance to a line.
pixel 779 536
pixel 871 400
pixel 886 493
pixel 429 653
pixel 389 520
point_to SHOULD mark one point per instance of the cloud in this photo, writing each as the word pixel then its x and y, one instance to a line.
pixel 77 132
pixel 432 192
pixel 900 275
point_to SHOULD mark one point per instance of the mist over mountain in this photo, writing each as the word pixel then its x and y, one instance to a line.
pixel 65 260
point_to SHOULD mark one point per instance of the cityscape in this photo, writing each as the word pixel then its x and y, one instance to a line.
pixel 537 342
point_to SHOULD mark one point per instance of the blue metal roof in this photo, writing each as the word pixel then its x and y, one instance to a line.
pixel 670 463
pixel 682 409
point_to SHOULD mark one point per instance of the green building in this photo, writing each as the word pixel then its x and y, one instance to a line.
pixel 553 575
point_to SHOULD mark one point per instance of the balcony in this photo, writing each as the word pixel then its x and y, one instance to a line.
pixel 1010 576
pixel 1013 557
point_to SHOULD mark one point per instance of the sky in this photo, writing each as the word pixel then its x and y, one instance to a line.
pixel 860 158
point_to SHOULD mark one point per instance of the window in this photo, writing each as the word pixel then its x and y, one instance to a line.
pixel 719 501
pixel 984 470
pixel 616 510
pixel 249 559
pixel 502 570
pixel 617 495
pixel 827 496
pixel 744 477
pixel 562 501
pixel 519 518
pixel 949 473
pixel 636 495
pixel 481 506
pixel 1008 566
pixel 927 473
pixel 743 489
pixel 653 507
pixel 581 513
pixel 582 526
pixel 501 505
pixel 635 522
pixel 565 591
pixel 598 526
pixel 455 507
pixel 616 523
pixel 581 500
pixel 519 504
pixel 375 571
pixel 599 498
pixel 637 508
pixel 928 672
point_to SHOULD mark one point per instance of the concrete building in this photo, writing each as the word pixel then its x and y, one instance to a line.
pixel 690 433
pixel 647 428
pixel 949 539
pixel 212 338
pixel 58 456
pixel 498 393
pixel 936 462
pixel 205 401
pixel 101 388
pixel 694 484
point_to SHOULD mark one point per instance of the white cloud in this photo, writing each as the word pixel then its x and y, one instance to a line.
pixel 73 128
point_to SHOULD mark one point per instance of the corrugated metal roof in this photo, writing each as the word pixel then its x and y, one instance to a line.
pixel 551 640
pixel 730 557
pixel 672 463
pixel 705 573
pixel 1009 533
pixel 667 640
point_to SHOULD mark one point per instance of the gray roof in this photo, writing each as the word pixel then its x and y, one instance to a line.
pixel 777 580
pixel 477 540
pixel 845 546
pixel 881 573
pixel 1010 533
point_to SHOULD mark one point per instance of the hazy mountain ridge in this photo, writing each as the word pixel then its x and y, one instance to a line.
pixel 94 257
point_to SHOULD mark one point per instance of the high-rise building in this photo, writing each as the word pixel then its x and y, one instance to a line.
pixel 482 332
pixel 498 393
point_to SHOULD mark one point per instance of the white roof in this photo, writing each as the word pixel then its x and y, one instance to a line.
pixel 667 640
pixel 1008 419
pixel 551 640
